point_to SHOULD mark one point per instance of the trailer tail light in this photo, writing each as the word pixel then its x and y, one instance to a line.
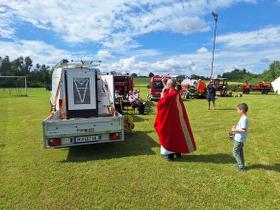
pixel 115 136
pixel 54 142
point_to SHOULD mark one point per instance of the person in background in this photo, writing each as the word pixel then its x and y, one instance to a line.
pixel 178 86
pixel 117 102
pixel 172 124
pixel 246 88
pixel 201 89
pixel 200 86
pixel 240 132
pixel 211 94
pixel 136 102
pixel 136 94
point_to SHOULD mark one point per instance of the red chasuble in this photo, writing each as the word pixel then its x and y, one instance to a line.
pixel 172 124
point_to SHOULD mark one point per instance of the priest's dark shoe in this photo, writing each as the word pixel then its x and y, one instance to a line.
pixel 169 157
pixel 178 155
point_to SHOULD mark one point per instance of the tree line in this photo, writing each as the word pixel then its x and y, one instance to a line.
pixel 242 75
pixel 40 75
pixel 37 75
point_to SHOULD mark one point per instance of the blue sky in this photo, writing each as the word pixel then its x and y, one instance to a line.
pixel 162 36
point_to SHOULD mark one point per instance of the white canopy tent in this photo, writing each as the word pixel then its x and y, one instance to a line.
pixel 189 82
pixel 276 85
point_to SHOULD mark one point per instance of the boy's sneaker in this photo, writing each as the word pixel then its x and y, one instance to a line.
pixel 238 169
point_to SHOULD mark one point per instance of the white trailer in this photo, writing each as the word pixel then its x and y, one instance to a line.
pixel 82 108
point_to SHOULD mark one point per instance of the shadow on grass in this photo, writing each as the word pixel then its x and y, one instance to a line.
pixel 275 167
pixel 13 96
pixel 225 109
pixel 135 144
pixel 219 158
pixel 137 118
pixel 2 146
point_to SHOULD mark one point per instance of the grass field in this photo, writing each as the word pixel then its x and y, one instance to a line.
pixel 131 174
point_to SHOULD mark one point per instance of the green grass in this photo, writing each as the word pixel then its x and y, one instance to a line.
pixel 131 174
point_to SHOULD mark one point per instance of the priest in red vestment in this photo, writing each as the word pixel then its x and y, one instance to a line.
pixel 172 124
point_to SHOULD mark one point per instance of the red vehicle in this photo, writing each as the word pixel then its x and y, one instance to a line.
pixel 156 87
pixel 245 88
pixel 264 87
pixel 123 84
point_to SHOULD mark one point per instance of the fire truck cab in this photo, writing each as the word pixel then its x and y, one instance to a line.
pixel 156 87
pixel 123 84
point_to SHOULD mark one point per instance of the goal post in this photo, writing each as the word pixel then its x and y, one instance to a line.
pixel 13 85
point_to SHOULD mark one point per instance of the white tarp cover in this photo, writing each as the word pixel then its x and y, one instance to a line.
pixel 188 81
pixel 105 94
pixel 56 78
pixel 276 85
pixel 105 90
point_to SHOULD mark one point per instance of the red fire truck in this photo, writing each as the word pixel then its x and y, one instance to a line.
pixel 123 84
pixel 156 87
pixel 263 87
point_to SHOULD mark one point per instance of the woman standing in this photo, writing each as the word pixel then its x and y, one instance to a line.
pixel 172 124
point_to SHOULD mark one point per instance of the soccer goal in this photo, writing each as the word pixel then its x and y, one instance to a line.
pixel 13 86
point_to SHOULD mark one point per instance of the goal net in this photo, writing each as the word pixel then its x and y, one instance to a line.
pixel 13 86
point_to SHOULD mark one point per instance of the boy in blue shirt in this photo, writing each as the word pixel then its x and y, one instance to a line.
pixel 240 134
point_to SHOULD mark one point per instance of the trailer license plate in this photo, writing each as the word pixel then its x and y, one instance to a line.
pixel 84 139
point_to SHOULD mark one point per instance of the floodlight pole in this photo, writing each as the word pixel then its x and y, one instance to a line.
pixel 215 15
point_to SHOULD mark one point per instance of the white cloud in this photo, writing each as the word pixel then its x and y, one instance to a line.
pixel 39 51
pixel 252 50
pixel 127 63
pixel 147 53
pixel 192 63
pixel 116 23
pixel 227 3
pixel 202 50
pixel 199 63
pixel 6 28
pixel 268 35
pixel 114 26
pixel 104 54
pixel 180 64
pixel 188 25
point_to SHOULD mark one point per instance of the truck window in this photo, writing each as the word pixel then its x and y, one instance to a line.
pixel 158 85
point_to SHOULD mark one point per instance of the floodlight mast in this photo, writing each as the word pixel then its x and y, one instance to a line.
pixel 215 16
